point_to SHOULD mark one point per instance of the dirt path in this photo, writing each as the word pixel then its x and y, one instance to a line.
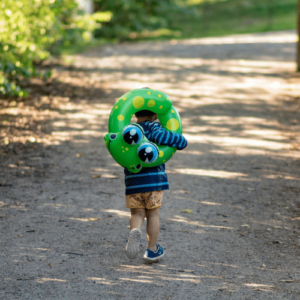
pixel 63 219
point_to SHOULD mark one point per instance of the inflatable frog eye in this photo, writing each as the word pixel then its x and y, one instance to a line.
pixel 148 152
pixel 113 136
pixel 133 134
pixel 127 142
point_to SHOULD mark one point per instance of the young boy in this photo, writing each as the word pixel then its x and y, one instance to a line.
pixel 144 190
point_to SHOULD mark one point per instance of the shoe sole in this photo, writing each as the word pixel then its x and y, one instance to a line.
pixel 154 259
pixel 133 245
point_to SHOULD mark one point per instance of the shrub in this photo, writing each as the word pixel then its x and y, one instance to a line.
pixel 32 30
pixel 133 16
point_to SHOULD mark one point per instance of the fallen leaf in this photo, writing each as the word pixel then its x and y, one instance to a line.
pixel 79 154
pixel 52 198
pixel 50 265
pixel 186 210
pixel 245 225
pixel 93 219
pixel 96 176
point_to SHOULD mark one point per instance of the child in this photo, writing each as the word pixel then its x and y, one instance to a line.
pixel 144 191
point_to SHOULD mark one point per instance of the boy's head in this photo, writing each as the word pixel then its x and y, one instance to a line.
pixel 146 115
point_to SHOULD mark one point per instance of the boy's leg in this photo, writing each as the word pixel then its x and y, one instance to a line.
pixel 152 227
pixel 137 217
pixel 136 220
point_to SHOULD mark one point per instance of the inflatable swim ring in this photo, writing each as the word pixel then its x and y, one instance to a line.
pixel 127 143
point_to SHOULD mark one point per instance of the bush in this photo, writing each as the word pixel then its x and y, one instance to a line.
pixel 133 16
pixel 32 30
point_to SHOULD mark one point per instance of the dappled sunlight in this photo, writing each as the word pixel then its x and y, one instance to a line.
pixel 209 173
pixel 210 203
pixel 263 287
pixel 80 219
pixel 232 211
pixel 161 276
pixel 137 280
pixel 276 37
pixel 101 280
pixel 197 223
pixel 105 172
pixel 118 212
pixel 42 280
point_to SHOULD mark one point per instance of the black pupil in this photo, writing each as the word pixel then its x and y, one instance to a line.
pixel 138 166
pixel 143 155
pixel 113 136
pixel 131 139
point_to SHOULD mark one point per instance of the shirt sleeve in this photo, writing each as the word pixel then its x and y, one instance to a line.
pixel 161 136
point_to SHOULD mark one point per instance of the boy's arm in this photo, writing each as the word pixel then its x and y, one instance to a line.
pixel 161 136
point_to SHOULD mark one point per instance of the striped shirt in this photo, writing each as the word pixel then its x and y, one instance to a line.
pixel 154 178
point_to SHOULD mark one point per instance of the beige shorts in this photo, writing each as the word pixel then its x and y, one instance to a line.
pixel 148 200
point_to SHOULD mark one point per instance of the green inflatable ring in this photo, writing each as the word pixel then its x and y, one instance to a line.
pixel 127 143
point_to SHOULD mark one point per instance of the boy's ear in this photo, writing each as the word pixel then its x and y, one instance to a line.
pixel 154 117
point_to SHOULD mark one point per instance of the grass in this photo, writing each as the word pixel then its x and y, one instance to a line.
pixel 203 18
pixel 79 48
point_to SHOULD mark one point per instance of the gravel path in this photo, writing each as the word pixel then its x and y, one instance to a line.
pixel 230 222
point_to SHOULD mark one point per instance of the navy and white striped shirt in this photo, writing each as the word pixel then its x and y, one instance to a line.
pixel 154 178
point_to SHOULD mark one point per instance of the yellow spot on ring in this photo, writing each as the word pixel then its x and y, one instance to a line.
pixel 168 98
pixel 120 117
pixel 161 153
pixel 148 93
pixel 151 103
pixel 172 124
pixel 161 107
pixel 124 98
pixel 138 102
pixel 126 149
pixel 164 160
pixel 116 107
pixel 173 111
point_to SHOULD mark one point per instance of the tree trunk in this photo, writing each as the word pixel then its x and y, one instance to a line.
pixel 298 43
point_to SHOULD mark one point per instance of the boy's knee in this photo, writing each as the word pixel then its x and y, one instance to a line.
pixel 138 211
pixel 152 212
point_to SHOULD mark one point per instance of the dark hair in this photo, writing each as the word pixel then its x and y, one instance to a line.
pixel 144 113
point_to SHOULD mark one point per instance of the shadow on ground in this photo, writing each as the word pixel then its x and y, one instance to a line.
pixel 230 222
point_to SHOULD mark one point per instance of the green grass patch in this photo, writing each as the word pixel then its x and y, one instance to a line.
pixel 82 47
pixel 221 17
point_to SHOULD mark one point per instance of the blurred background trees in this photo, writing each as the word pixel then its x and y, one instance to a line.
pixel 33 30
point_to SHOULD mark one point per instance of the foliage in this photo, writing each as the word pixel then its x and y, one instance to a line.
pixel 219 17
pixel 134 16
pixel 30 30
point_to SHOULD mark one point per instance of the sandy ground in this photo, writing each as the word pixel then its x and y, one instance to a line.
pixel 230 221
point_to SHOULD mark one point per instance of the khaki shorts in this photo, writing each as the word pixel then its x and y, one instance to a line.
pixel 148 200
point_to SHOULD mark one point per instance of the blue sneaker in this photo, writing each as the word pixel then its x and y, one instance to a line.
pixel 133 245
pixel 152 256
